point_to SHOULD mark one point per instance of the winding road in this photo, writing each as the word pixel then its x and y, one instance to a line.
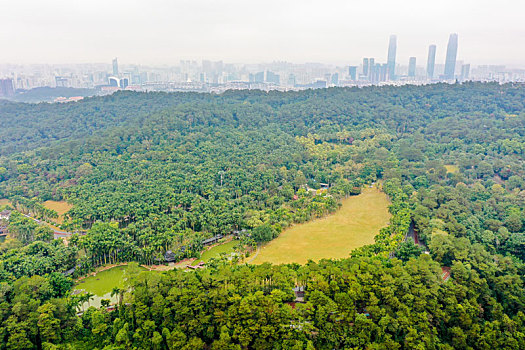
pixel 56 233
pixel 254 256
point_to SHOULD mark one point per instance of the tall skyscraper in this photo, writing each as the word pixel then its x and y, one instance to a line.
pixel 115 67
pixel 383 72
pixel 391 61
pixel 465 71
pixel 431 61
pixel 412 67
pixel 372 64
pixel 452 51
pixel 352 71
pixel 6 87
pixel 365 67
pixel 373 75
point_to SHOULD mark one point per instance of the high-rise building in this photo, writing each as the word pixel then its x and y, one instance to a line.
pixel 291 79
pixel 115 67
pixel 124 83
pixel 465 71
pixel 365 66
pixel 271 77
pixel 6 87
pixel 371 68
pixel 259 77
pixel 378 72
pixel 61 81
pixel 452 51
pixel 412 67
pixel 383 72
pixel 431 61
pixel 352 72
pixel 144 77
pixel 335 79
pixel 391 61
pixel 373 74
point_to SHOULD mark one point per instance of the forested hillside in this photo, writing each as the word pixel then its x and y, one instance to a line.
pixel 152 172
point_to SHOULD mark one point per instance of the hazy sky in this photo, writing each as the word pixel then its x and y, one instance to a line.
pixel 330 31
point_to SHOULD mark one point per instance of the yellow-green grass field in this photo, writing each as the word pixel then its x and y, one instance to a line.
pixel 61 207
pixel 102 283
pixel 354 225
pixel 215 252
pixel 4 201
pixel 452 168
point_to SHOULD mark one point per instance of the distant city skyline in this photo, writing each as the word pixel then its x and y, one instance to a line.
pixel 340 32
pixel 219 76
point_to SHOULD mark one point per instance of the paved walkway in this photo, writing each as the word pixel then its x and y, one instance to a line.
pixel 56 233
pixel 254 256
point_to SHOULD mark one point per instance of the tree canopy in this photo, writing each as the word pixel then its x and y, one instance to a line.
pixel 149 173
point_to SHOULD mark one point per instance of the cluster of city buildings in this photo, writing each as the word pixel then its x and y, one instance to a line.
pixel 208 76
pixel 453 70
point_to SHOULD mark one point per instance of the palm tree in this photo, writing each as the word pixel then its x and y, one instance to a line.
pixel 116 292
pixel 82 298
pixel 76 301
pixel 89 296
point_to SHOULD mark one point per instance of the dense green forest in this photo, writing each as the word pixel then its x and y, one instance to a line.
pixel 151 172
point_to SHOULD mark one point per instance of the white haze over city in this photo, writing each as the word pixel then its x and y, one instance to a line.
pixel 251 31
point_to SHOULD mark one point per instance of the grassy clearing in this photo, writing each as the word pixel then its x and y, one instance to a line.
pixel 452 168
pixel 4 201
pixel 214 252
pixel 103 283
pixel 355 224
pixel 61 207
